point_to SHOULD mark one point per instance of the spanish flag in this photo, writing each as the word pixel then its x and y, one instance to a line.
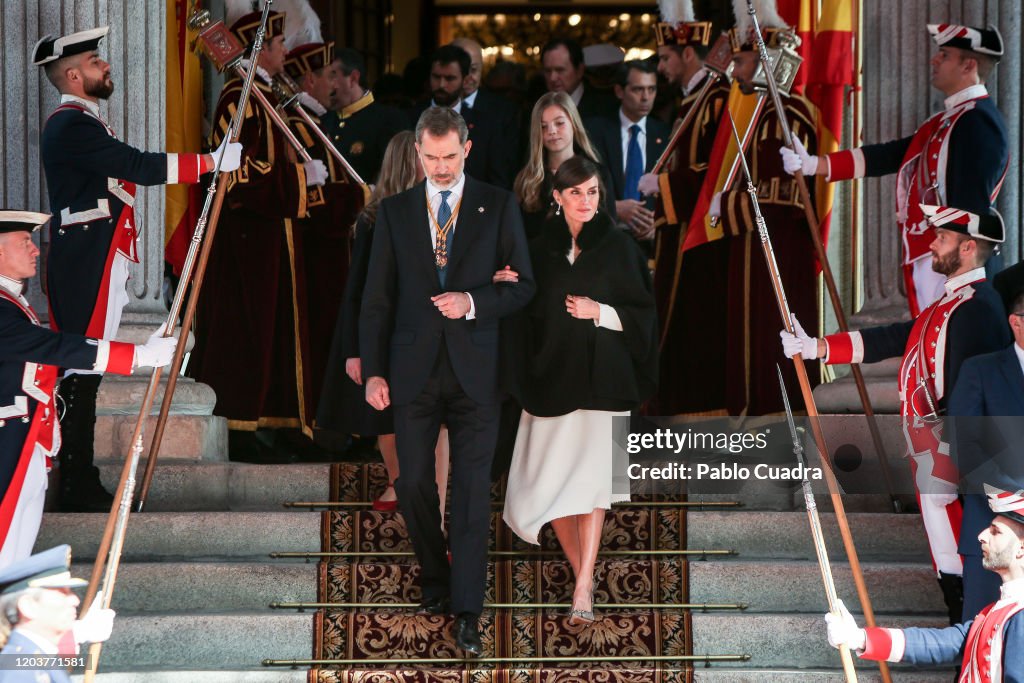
pixel 826 29
pixel 184 134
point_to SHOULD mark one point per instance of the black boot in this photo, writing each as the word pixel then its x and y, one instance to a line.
pixel 80 487
pixel 953 593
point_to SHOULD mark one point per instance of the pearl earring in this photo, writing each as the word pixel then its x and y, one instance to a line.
pixel 558 211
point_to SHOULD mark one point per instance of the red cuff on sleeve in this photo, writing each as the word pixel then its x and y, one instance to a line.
pixel 845 164
pixel 184 168
pixel 883 644
pixel 121 359
pixel 844 347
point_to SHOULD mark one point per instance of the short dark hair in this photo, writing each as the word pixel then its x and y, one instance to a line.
pixel 985 249
pixel 350 61
pixel 452 54
pixel 575 170
pixel 641 65
pixel 574 49
pixel 439 121
pixel 1017 305
pixel 985 65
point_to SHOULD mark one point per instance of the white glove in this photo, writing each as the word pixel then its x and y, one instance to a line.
pixel 232 153
pixel 96 625
pixel 799 343
pixel 934 491
pixel 158 350
pixel 716 206
pixel 316 172
pixel 798 160
pixel 311 103
pixel 648 184
pixel 843 630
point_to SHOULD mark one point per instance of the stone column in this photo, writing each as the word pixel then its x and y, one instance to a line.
pixel 897 97
pixel 136 50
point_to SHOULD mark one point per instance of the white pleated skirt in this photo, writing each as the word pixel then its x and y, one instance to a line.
pixel 563 466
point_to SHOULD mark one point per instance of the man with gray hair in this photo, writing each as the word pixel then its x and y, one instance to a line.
pixel 429 343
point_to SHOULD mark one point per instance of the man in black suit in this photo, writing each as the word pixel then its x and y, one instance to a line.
pixel 491 159
pixel 429 342
pixel 631 143
pixel 987 410
pixel 562 63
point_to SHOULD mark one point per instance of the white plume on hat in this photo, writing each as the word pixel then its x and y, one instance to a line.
pixel 301 26
pixel 676 11
pixel 767 15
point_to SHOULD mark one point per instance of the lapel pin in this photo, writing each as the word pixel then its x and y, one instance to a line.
pixel 481 209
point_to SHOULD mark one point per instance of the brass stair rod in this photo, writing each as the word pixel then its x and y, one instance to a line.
pixel 512 605
pixel 499 553
pixel 707 659
pixel 630 504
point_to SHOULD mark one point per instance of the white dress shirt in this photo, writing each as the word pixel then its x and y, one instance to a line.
pixel 577 94
pixel 457 107
pixel 641 138
pixel 470 99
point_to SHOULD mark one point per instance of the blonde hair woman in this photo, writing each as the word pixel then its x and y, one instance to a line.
pixel 556 135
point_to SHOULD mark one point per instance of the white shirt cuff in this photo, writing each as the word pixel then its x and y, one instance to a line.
pixel 472 307
pixel 609 319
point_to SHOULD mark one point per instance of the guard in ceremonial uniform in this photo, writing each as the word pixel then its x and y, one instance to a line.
pixel 692 288
pixel 247 341
pixel 968 320
pixel 990 646
pixel 38 610
pixel 360 127
pixel 91 178
pixel 752 314
pixel 321 241
pixel 958 157
pixel 30 355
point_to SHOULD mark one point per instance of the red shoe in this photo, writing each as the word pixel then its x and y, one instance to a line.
pixel 385 505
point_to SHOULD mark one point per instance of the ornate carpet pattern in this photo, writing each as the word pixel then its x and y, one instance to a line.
pixel 525 577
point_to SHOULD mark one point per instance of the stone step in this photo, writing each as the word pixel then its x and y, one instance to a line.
pixel 786 535
pixel 716 674
pixel 192 437
pixel 187 536
pixel 795 586
pixel 263 675
pixel 197 587
pixel 782 640
pixel 226 641
pixel 182 486
pixel 123 396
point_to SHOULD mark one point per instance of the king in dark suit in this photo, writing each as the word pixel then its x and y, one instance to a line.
pixel 429 342
pixel 987 406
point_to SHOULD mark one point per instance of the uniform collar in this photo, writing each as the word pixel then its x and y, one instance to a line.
pixel 15 287
pixel 695 80
pixel 1012 590
pixel 362 103
pixel 45 646
pixel 969 93
pixel 955 283
pixel 93 107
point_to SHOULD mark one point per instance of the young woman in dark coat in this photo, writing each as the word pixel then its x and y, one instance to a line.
pixel 585 352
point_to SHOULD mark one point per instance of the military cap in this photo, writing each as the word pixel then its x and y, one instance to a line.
pixel 307 58
pixel 1006 503
pixel 245 27
pixel 988 227
pixel 984 41
pixel 49 49
pixel 29 221
pixel 678 25
pixel 48 569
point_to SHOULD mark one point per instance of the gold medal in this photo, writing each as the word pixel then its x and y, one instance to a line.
pixel 441 250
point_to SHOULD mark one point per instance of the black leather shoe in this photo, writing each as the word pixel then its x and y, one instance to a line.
pixel 467 634
pixel 435 606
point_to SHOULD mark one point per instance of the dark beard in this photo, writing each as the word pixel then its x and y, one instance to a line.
pixel 948 264
pixel 445 99
pixel 101 88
